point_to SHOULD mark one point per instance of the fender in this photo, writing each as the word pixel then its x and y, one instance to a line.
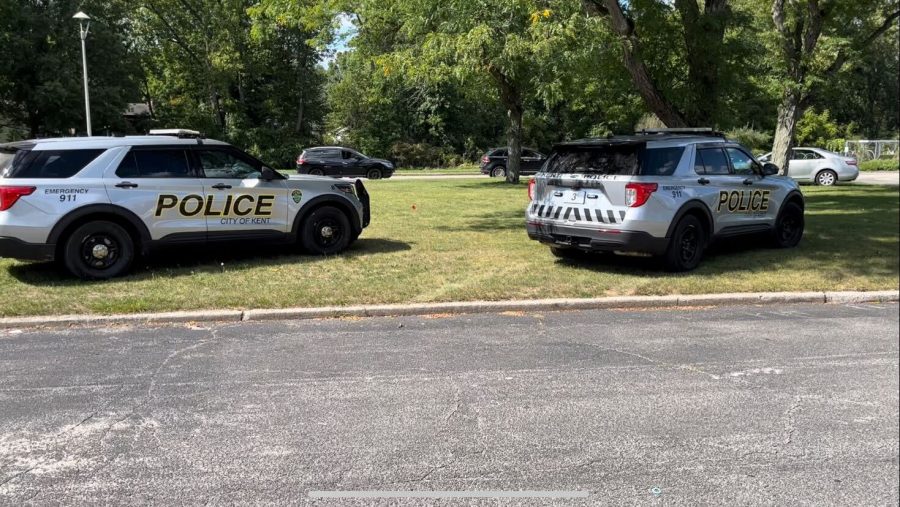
pixel 691 205
pixel 793 195
pixel 331 199
pixel 99 209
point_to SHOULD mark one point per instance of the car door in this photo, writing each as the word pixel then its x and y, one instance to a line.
pixel 757 206
pixel 719 188
pixel 239 204
pixel 531 161
pixel 159 184
pixel 351 163
pixel 801 164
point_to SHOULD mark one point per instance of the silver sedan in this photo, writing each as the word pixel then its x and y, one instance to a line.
pixel 819 166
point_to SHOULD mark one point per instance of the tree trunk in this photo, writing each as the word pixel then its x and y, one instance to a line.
pixel 514 145
pixel 788 114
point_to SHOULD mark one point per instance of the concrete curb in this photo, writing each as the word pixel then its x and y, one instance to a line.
pixel 605 303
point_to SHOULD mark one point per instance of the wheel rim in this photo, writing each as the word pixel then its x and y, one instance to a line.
pixel 826 178
pixel 100 251
pixel 374 174
pixel 498 172
pixel 316 172
pixel 690 244
pixel 328 232
pixel 790 228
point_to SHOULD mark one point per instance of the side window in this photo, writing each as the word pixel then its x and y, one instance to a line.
pixel 157 163
pixel 743 164
pixel 50 163
pixel 811 155
pixel 529 154
pixel 225 164
pixel 499 153
pixel 714 161
pixel 330 155
pixel 798 155
pixel 662 161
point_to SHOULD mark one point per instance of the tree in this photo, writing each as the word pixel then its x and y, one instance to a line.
pixel 804 64
pixel 41 74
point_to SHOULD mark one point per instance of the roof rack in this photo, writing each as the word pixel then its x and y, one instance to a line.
pixel 179 133
pixel 690 131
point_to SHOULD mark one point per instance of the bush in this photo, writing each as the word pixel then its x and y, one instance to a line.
pixel 423 155
pixel 884 164
pixel 757 140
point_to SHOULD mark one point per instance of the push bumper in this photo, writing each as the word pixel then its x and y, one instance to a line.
pixel 13 248
pixel 596 240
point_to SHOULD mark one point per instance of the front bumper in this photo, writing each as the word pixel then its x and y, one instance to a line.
pixel 608 240
pixel 14 248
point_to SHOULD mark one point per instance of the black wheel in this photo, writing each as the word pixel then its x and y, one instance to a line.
pixel 687 245
pixel 373 174
pixel 561 252
pixel 826 178
pixel 98 250
pixel 789 226
pixel 326 231
pixel 498 172
pixel 316 172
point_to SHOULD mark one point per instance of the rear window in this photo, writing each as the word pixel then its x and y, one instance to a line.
pixel 609 160
pixel 661 161
pixel 52 164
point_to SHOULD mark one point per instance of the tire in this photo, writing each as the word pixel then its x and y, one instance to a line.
pixel 686 247
pixel 316 172
pixel 498 172
pixel 789 226
pixel 373 174
pixel 567 253
pixel 98 250
pixel 826 178
pixel 326 231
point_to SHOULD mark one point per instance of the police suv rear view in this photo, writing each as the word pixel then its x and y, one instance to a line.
pixel 665 193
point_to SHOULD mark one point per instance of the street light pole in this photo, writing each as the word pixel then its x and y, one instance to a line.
pixel 84 24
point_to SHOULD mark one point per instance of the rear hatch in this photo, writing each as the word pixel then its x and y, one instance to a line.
pixel 585 183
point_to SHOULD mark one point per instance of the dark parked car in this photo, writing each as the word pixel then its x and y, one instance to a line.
pixel 339 162
pixel 493 163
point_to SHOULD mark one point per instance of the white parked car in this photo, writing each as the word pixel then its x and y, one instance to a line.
pixel 819 166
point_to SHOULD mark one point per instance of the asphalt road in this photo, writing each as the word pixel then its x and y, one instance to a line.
pixel 795 405
pixel 865 177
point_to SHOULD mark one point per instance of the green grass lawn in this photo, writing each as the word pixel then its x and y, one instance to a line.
pixel 446 240
pixel 462 169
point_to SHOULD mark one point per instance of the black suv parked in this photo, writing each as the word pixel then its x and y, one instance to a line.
pixel 493 163
pixel 339 162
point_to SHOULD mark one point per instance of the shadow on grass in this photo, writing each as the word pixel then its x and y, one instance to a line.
pixel 495 221
pixel 173 262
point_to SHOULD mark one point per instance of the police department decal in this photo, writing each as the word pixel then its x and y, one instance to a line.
pixel 297 195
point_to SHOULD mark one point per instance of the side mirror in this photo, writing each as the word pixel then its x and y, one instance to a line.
pixel 769 169
pixel 267 174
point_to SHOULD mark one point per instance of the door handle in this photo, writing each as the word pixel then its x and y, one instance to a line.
pixel 557 194
pixel 748 181
pixel 703 181
pixel 592 196
pixel 126 184
pixel 221 186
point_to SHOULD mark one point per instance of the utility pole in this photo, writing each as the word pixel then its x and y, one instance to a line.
pixel 84 23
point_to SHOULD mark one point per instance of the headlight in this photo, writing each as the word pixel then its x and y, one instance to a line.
pixel 346 188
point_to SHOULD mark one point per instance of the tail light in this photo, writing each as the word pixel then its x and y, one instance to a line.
pixel 531 185
pixel 636 194
pixel 301 160
pixel 9 195
pixel 852 161
pixel 485 160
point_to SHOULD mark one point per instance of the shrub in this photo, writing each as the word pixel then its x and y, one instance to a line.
pixel 423 155
pixel 757 140
pixel 884 164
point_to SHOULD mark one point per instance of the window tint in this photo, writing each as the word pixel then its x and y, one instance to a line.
pixel 743 164
pixel 162 163
pixel 350 154
pixel 529 153
pixel 47 163
pixel 595 160
pixel 661 161
pixel 226 164
pixel 714 161
pixel 329 154
pixel 499 153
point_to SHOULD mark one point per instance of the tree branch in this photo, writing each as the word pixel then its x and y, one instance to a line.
pixel 842 55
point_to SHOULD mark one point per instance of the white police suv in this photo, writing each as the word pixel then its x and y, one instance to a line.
pixel 667 193
pixel 95 203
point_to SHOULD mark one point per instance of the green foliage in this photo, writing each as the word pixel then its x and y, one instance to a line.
pixel 816 129
pixel 880 165
pixel 757 140
pixel 423 155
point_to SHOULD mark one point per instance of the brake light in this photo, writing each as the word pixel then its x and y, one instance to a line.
pixel 852 161
pixel 9 195
pixel 485 160
pixel 301 160
pixel 636 194
pixel 531 185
